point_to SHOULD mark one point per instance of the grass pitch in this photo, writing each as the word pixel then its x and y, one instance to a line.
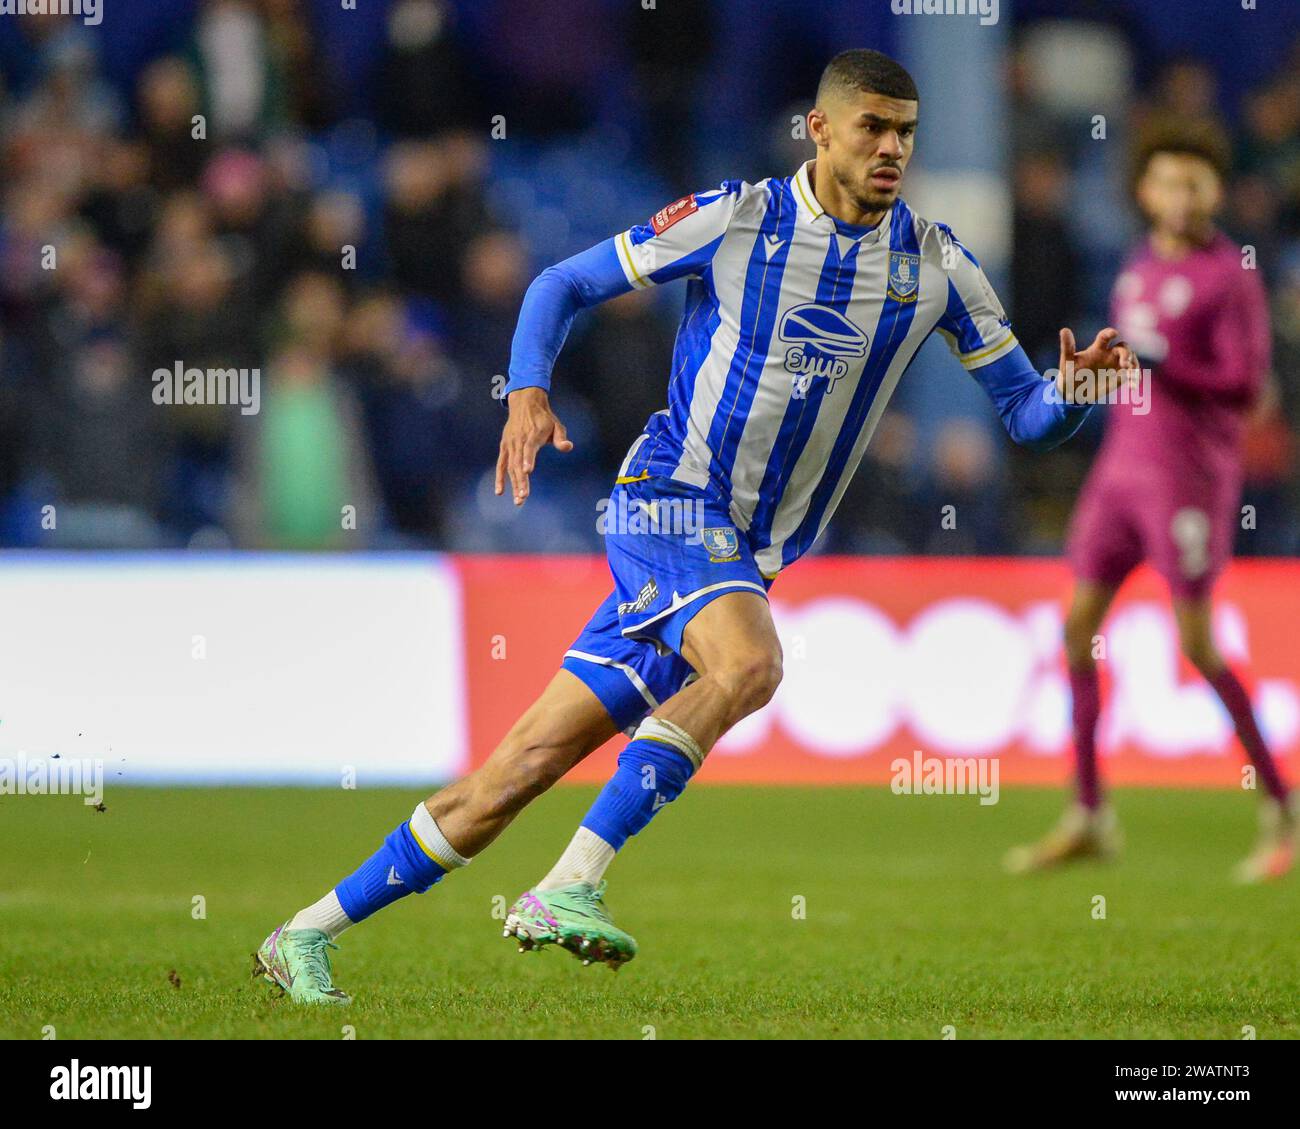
pixel 909 926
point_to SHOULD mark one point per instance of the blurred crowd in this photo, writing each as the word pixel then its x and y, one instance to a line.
pixel 230 207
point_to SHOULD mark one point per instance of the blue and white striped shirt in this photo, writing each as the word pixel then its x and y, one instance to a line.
pixel 796 330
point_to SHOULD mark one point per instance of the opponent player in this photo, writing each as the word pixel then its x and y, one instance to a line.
pixel 808 297
pixel 1166 485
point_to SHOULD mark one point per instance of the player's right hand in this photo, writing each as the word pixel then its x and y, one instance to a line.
pixel 1105 364
pixel 530 427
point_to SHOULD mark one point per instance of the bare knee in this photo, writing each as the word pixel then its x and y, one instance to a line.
pixel 1203 655
pixel 1082 624
pixel 1079 639
pixel 749 680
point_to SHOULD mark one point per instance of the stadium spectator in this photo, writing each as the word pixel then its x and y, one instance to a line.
pixel 425 86
pixel 169 100
pixel 434 210
pixel 304 473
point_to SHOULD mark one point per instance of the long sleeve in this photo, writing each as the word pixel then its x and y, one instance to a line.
pixel 550 305
pixel 1031 410
pixel 979 335
pixel 677 241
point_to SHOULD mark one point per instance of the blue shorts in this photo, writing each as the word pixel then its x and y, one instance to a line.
pixel 672 549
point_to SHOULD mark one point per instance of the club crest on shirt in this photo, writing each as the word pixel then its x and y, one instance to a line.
pixel 820 339
pixel 722 543
pixel 904 276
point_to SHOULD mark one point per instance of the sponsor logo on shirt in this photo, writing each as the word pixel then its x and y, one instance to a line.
pixel 821 338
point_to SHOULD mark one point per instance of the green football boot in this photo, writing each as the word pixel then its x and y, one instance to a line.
pixel 573 917
pixel 298 961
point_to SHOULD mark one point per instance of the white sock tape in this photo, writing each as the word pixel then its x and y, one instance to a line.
pixel 434 843
pixel 657 729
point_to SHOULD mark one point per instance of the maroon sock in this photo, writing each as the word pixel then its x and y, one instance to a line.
pixel 1086 691
pixel 1233 695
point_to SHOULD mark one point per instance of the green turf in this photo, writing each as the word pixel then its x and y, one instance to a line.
pixel 910 926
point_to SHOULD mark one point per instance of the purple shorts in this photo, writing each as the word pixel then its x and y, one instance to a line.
pixel 1184 529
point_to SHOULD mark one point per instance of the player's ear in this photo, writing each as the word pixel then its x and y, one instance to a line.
pixel 818 125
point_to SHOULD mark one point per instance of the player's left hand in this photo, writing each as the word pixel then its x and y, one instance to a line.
pixel 1091 375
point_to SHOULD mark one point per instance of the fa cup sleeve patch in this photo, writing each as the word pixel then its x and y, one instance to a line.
pixel 663 219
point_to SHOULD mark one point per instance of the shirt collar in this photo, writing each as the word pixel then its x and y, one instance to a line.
pixel 812 212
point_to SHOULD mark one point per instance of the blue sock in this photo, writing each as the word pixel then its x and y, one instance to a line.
pixel 650 774
pixel 398 868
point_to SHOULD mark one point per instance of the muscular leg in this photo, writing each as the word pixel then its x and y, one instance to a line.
pixel 558 730
pixel 732 644
pixel 565 724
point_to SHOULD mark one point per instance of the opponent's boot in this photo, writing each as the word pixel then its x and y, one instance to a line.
pixel 1275 848
pixel 1082 833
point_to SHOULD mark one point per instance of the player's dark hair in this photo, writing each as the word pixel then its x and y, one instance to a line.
pixel 871 72
pixel 1190 139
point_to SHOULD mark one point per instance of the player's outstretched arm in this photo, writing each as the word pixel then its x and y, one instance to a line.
pixel 1037 412
pixel 1042 413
